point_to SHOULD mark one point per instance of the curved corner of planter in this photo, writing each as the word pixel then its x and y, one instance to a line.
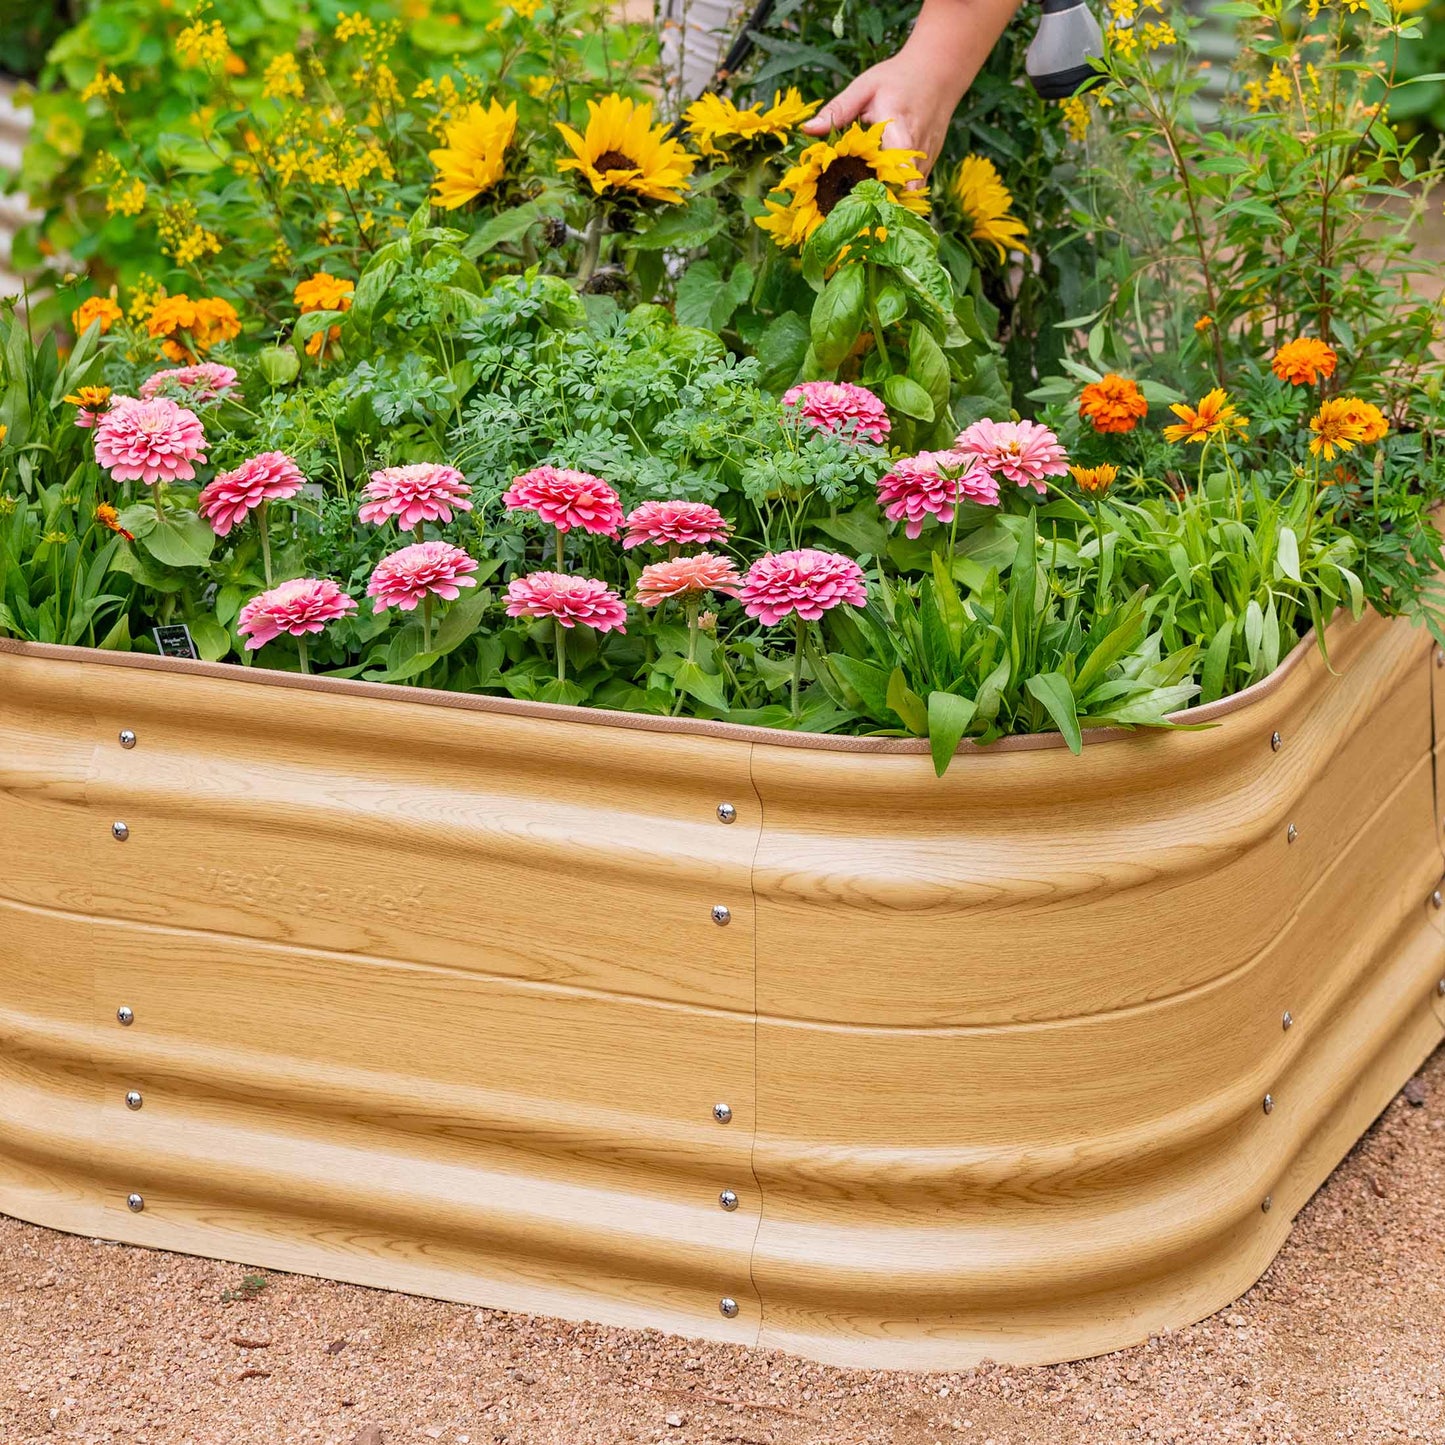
pixel 436 995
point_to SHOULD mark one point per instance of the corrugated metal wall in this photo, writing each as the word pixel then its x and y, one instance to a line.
pixel 14 125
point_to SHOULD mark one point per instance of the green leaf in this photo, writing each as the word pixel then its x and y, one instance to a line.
pixel 706 687
pixel 186 542
pixel 906 396
pixel 907 703
pixel 1216 658
pixel 928 366
pixel 948 718
pixel 838 315
pixel 867 679
pixel 505 226
pixel 682 228
pixel 781 350
pixel 212 640
pixel 705 298
pixel 1053 691
pixel 1287 555
pixel 185 153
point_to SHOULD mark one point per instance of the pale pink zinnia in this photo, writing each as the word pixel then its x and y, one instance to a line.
pixel 568 600
pixel 687 576
pixel 420 492
pixel 304 605
pixel 149 441
pixel 806 582
pixel 840 407
pixel 675 524
pixel 931 485
pixel 230 499
pixel 1020 451
pixel 422 570
pixel 206 381
pixel 565 499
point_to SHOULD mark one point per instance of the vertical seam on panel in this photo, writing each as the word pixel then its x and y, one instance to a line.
pixel 753 1139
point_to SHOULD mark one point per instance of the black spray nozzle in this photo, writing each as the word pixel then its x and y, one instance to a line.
pixel 1068 38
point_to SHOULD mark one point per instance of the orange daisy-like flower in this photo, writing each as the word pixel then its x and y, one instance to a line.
pixel 190 327
pixel 95 308
pixel 1112 404
pixel 1215 416
pixel 1345 422
pixel 1303 361
pixel 1095 480
pixel 1204 323
pixel 109 518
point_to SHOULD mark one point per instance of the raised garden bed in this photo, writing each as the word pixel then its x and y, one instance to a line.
pixel 427 991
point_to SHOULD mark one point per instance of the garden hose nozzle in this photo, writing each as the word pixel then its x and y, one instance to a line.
pixel 1068 38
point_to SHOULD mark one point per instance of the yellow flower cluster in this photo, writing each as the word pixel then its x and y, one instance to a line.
pixel 1275 88
pixel 203 43
pixel 282 79
pixel 183 238
pixel 126 197
pixel 352 27
pixel 106 82
pixel 145 296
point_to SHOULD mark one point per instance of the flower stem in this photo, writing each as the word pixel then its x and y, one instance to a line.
pixel 156 494
pixel 561 544
pixel 301 651
pixel 692 629
pixel 591 247
pixel 561 650
pixel 798 664
pixel 426 604
pixel 263 524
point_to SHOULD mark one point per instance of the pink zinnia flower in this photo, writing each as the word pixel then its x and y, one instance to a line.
pixel 840 407
pixel 918 488
pixel 565 499
pixel 806 582
pixel 421 492
pixel 675 524
pixel 205 381
pixel 230 499
pixel 1022 451
pixel 568 600
pixel 149 441
pixel 424 569
pixel 687 576
pixel 305 605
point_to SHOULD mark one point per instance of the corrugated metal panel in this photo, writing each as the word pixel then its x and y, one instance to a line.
pixel 14 213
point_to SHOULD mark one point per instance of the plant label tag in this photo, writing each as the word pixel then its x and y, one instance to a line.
pixel 175 641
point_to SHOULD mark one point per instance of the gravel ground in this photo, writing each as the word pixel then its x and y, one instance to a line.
pixel 1342 1339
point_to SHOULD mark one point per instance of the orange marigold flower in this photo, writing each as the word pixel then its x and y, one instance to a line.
pixel 1303 361
pixel 190 327
pixel 1337 423
pixel 1370 419
pixel 1112 404
pixel 95 308
pixel 109 518
pixel 1204 323
pixel 1215 416
pixel 1095 480
pixel 323 292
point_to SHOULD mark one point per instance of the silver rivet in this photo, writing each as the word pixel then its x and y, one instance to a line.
pixel 729 1307
pixel 1287 1022
pixel 1275 741
pixel 127 738
pixel 1267 1203
pixel 1269 1103
pixel 1292 833
pixel 1437 899
pixel 134 1203
pixel 125 1014
pixel 120 832
pixel 722 1112
pixel 728 1199
pixel 133 1099
pixel 722 915
pixel 726 813
pixel 1440 988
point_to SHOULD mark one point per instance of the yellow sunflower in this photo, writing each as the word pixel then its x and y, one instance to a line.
pixel 623 154
pixel 717 125
pixel 985 202
pixel 828 171
pixel 475 154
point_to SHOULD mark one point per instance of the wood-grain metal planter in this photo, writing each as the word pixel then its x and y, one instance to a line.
pixel 509 1004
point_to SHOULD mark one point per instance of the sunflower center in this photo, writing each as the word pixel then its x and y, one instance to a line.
pixel 839 178
pixel 615 161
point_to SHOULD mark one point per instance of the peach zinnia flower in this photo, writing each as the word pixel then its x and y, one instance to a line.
pixel 686 577
pixel 931 485
pixel 565 499
pixel 841 408
pixel 567 600
pixel 675 524
pixel 301 606
pixel 206 381
pixel 1215 416
pixel 1095 481
pixel 149 441
pixel 231 498
pixel 1303 361
pixel 1022 452
pixel 1112 404
pixel 805 583
pixel 420 492
pixel 425 569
